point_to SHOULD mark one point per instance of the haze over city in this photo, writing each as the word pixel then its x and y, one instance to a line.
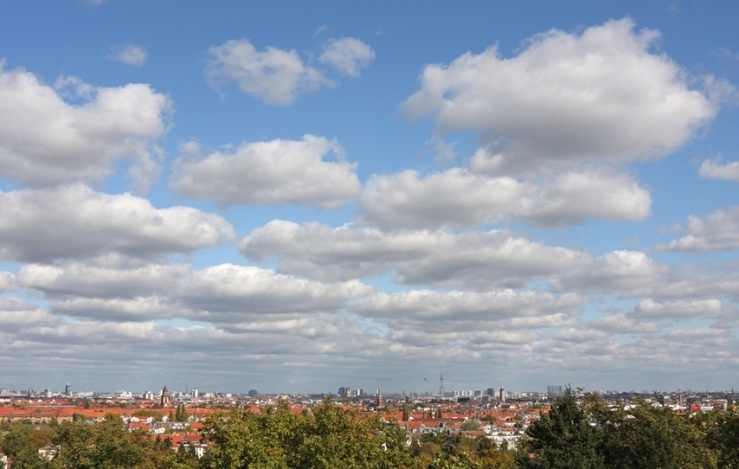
pixel 302 196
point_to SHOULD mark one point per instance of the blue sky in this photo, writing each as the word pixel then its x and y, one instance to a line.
pixel 298 196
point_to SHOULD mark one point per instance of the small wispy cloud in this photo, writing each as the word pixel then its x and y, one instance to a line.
pixel 130 54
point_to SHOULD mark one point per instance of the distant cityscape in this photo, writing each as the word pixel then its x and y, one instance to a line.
pixel 349 393
pixel 176 418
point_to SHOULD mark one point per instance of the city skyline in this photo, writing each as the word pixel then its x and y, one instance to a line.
pixel 296 197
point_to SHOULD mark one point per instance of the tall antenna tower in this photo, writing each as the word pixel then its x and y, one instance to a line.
pixel 441 385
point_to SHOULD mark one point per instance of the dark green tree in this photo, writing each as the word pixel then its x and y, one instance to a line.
pixel 721 430
pixel 566 437
pixel 649 436
pixel 181 414
pixel 21 444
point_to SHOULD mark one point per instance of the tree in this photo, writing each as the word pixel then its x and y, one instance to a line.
pixel 21 444
pixel 327 437
pixel 181 414
pixel 648 436
pixel 471 425
pixel 566 437
pixel 103 445
pixel 721 429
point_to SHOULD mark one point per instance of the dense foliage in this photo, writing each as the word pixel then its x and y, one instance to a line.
pixel 591 435
pixel 578 432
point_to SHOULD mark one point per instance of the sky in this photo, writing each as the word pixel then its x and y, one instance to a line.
pixel 299 196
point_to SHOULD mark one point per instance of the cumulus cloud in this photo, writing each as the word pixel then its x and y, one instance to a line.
pixel 45 140
pixel 600 95
pixel 458 197
pixel 75 222
pixel 422 306
pixel 623 324
pixel 7 282
pixel 18 315
pixel 347 55
pixel 714 168
pixel 453 197
pixel 678 309
pixel 232 293
pixel 274 76
pixel 629 273
pixel 311 171
pixel 718 231
pixel 575 196
pixel 117 309
pixel 130 54
pixel 475 260
pixel 75 279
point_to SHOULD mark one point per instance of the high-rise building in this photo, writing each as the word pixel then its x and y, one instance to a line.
pixel 502 396
pixel 253 393
pixel 554 391
pixel 67 390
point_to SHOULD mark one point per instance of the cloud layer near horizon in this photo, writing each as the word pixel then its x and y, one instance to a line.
pixel 282 253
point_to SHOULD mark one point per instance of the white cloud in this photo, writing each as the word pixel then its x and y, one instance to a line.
pixel 458 197
pixel 82 279
pixel 45 140
pixel 273 172
pixel 428 308
pixel 627 273
pixel 599 95
pixel 453 197
pixel 714 168
pixel 717 232
pixel 117 309
pixel 130 54
pixel 274 76
pixel 74 222
pixel 678 309
pixel 574 196
pixel 231 293
pixel 473 260
pixel 347 55
pixel 623 324
pixel 17 315
pixel 7 282
pixel 709 335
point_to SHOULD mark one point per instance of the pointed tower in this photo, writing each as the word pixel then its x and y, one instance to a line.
pixel 165 397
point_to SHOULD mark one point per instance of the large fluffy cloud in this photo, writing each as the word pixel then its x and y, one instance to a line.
pixel 574 196
pixel 453 197
pixel 75 222
pixel 459 197
pixel 678 309
pixel 273 172
pixel 72 279
pixel 45 140
pixel 232 293
pixel 465 261
pixel 602 94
